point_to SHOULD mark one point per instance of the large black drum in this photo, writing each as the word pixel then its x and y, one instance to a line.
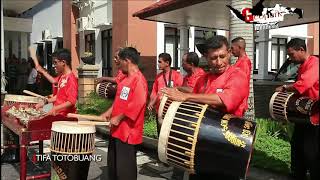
pixel 199 139
pixel 290 107
pixel 106 90
pixel 71 146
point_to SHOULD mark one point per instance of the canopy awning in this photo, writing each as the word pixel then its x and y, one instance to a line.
pixel 215 14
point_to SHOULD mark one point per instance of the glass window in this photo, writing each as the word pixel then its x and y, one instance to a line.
pixel 90 43
pixel 107 52
pixel 172 45
pixel 278 53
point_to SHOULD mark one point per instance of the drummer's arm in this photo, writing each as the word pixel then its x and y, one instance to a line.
pixel 185 89
pixel 211 99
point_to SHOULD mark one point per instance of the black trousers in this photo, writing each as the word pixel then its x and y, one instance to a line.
pixel 305 152
pixel 122 160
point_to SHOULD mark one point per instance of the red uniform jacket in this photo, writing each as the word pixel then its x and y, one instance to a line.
pixel 190 80
pixel 160 82
pixel 231 86
pixel 67 91
pixel 308 82
pixel 130 100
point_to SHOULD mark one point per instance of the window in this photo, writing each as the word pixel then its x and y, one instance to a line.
pixel 278 53
pixel 107 52
pixel 90 43
pixel 172 45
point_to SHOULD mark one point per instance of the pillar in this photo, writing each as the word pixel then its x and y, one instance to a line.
pixel 184 46
pixel 245 30
pixel 87 75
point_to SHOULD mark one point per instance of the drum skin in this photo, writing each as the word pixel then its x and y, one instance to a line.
pixel 199 139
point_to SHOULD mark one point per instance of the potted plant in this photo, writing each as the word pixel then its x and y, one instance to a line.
pixel 88 58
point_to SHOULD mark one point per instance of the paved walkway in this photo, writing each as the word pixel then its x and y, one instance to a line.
pixel 146 158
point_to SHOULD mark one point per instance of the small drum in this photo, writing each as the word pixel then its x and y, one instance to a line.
pixel 71 145
pixel 163 107
pixel 289 107
pixel 106 90
pixel 199 139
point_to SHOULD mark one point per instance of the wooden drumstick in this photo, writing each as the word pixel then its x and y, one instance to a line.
pixel 87 117
pixel 34 94
pixel 94 123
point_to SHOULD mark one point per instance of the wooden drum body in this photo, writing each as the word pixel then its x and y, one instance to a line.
pixel 199 139
pixel 163 107
pixel 73 142
pixel 106 90
pixel 289 107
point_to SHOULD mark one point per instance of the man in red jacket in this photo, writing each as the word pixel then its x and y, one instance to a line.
pixel 64 101
pixel 238 49
pixel 224 88
pixel 305 139
pixel 167 78
pixel 190 62
pixel 126 117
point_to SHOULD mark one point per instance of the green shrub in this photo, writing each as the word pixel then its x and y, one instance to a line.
pixel 95 105
pixel 270 151
pixel 150 125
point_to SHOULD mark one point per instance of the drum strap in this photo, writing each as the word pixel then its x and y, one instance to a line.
pixel 165 80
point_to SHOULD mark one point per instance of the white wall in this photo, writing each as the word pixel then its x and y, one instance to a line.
pixel 100 14
pixel 50 18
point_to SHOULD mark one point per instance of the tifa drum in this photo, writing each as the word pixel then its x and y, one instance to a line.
pixel 290 107
pixel 71 144
pixel 106 90
pixel 199 139
pixel 163 107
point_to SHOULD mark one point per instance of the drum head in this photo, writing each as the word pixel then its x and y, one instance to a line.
pixel 70 127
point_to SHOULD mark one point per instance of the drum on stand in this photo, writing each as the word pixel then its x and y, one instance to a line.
pixel 199 139
pixel 10 139
pixel 71 146
pixel 290 107
pixel 106 90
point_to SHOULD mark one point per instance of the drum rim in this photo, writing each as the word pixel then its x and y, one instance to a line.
pixel 21 98
pixel 272 99
pixel 97 88
pixel 163 101
pixel 164 135
pixel 73 128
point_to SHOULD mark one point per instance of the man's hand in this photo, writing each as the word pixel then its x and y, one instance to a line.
pixel 281 88
pixel 33 55
pixel 100 80
pixel 115 121
pixel 106 115
pixel 52 112
pixel 39 105
pixel 175 94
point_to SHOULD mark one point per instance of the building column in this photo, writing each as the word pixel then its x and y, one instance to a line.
pixel 98 51
pixel 24 45
pixel 70 32
pixel 263 46
pixel 2 49
pixel 239 28
pixel 184 46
